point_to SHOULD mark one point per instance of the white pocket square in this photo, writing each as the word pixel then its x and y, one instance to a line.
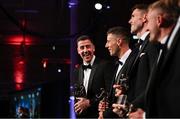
pixel 142 54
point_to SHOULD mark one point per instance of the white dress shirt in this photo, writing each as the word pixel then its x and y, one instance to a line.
pixel 143 37
pixel 123 60
pixel 87 73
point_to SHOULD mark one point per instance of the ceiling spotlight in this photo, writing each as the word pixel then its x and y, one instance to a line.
pixel 59 70
pixel 98 6
pixel 54 47
pixel 108 7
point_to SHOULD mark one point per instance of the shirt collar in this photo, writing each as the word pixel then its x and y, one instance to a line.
pixel 92 61
pixel 143 37
pixel 125 56
pixel 163 41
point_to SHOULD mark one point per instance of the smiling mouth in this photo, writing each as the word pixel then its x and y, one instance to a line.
pixel 86 54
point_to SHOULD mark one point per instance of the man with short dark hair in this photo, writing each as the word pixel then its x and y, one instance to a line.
pixel 118 45
pixel 92 75
pixel 146 56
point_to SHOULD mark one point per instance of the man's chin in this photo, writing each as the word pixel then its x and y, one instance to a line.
pixel 111 54
pixel 87 60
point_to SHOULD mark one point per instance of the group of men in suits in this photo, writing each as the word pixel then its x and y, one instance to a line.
pixel 151 77
pixel 159 98
pixel 142 58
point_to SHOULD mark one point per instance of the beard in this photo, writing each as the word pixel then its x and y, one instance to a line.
pixel 136 28
pixel 115 52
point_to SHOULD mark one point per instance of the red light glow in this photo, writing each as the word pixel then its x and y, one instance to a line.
pixel 67 61
pixel 19 77
pixel 18 39
pixel 19 86
pixel 19 70
pixel 21 62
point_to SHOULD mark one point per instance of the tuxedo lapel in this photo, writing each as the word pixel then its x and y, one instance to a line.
pixel 158 67
pixel 113 81
pixel 171 50
pixel 137 53
pixel 93 70
pixel 161 65
pixel 151 80
pixel 124 70
pixel 81 75
pixel 157 74
pixel 144 44
pixel 130 63
pixel 146 41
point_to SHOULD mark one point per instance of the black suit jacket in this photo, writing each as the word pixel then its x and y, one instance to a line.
pixel 135 77
pixel 111 98
pixel 162 96
pixel 140 73
pixel 99 78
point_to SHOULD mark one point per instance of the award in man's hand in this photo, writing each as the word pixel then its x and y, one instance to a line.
pixel 122 99
pixel 79 91
pixel 103 104
pixel 102 95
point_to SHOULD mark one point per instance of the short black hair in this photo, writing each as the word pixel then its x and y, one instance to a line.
pixel 84 37
pixel 120 31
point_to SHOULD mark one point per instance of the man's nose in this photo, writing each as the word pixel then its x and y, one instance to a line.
pixel 85 49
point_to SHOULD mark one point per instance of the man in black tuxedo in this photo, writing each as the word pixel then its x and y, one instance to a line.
pixel 146 56
pixel 92 76
pixel 118 45
pixel 148 52
pixel 161 20
pixel 161 97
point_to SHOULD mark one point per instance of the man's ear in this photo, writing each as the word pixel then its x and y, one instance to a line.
pixel 159 20
pixel 144 18
pixel 119 42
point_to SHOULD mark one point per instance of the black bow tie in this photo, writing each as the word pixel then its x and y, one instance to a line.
pixel 119 63
pixel 139 42
pixel 162 46
pixel 86 67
